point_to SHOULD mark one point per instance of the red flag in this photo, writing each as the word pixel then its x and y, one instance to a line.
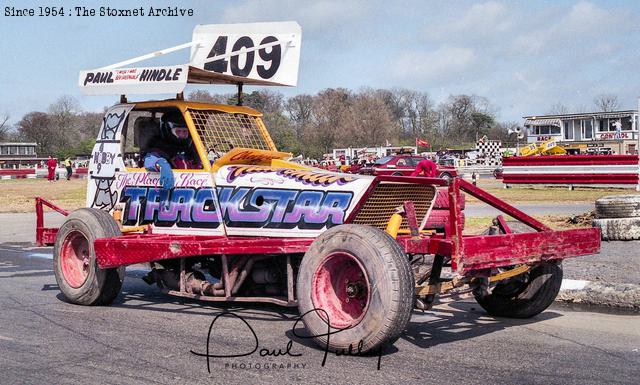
pixel 422 142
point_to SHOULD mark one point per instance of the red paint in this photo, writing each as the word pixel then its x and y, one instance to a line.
pixel 503 224
pixel 44 235
pixel 412 179
pixel 576 178
pixel 330 289
pixel 481 252
pixel 570 160
pixel 487 251
pixel 442 199
pixel 440 219
pixel 139 248
pixel 468 253
pixel 75 258
pixel 18 173
pixel 500 205
pixel 406 167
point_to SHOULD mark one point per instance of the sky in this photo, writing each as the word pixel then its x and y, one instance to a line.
pixel 524 56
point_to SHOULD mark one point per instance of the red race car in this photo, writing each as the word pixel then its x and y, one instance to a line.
pixel 403 165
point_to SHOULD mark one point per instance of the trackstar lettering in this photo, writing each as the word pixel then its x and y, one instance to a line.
pixel 239 207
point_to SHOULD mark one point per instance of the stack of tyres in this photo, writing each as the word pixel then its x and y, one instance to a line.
pixel 618 217
pixel 439 215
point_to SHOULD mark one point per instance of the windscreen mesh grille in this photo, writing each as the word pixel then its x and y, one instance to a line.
pixel 387 197
pixel 222 131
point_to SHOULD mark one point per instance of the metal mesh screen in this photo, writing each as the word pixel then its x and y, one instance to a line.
pixel 386 197
pixel 222 131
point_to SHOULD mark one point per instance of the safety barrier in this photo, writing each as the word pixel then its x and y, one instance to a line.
pixel 573 170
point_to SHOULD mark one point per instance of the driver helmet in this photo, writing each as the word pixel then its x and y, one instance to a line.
pixel 174 128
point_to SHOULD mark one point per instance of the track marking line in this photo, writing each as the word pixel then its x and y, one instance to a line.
pixel 573 284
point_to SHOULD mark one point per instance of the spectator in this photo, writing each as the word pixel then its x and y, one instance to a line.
pixel 52 163
pixel 427 168
pixel 67 165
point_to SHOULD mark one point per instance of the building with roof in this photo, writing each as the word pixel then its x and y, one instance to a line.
pixel 614 132
pixel 18 154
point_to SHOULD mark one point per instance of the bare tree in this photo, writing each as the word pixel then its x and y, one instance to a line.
pixel 87 125
pixel 558 109
pixel 4 126
pixel 62 115
pixel 606 102
pixel 300 109
pixel 329 109
pixel 36 127
pixel 205 96
pixel 368 121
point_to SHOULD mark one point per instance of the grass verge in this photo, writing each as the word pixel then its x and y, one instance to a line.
pixel 18 195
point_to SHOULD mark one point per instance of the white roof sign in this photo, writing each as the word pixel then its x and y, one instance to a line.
pixel 252 54
pixel 259 51
pixel 147 80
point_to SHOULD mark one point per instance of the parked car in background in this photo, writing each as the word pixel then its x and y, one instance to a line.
pixel 403 165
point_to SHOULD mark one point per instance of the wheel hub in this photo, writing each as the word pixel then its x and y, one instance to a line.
pixel 341 289
pixel 355 289
pixel 75 259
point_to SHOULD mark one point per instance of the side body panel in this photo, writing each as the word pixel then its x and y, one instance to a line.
pixel 106 159
pixel 190 208
pixel 272 202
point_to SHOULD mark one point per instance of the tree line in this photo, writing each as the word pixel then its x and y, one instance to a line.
pixel 63 130
pixel 311 125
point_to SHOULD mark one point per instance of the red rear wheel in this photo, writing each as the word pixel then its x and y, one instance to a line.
pixel 77 273
pixel 75 259
pixel 341 287
pixel 356 283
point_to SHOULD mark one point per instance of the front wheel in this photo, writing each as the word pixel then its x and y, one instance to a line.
pixel 356 283
pixel 74 259
pixel 524 295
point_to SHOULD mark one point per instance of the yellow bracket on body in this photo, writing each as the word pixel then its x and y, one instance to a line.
pixel 249 156
pixel 393 226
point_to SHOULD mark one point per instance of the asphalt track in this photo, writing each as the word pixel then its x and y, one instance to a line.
pixel 147 337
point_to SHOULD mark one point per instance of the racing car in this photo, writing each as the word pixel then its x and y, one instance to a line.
pixel 241 223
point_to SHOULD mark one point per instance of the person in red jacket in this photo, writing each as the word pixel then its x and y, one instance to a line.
pixel 427 168
pixel 52 163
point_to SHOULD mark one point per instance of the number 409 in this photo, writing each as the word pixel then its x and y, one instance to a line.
pixel 221 65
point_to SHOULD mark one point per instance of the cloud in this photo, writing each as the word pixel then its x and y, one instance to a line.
pixel 585 25
pixel 316 17
pixel 440 65
pixel 480 21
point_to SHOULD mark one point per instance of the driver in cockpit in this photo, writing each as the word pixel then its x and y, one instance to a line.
pixel 172 149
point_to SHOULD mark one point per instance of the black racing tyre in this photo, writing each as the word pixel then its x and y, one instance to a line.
pixel 397 173
pixel 74 260
pixel 618 206
pixel 361 284
pixel 524 295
